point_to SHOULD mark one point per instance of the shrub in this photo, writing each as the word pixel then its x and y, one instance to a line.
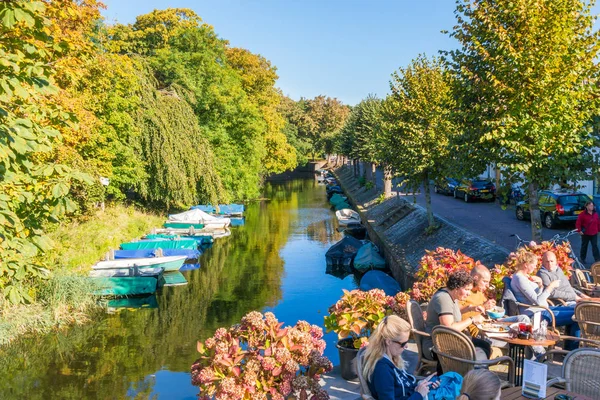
pixel 260 359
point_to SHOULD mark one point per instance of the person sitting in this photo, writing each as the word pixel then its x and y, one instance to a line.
pixel 480 384
pixel 549 272
pixel 444 309
pixel 529 289
pixel 383 366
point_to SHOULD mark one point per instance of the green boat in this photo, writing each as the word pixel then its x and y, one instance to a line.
pixel 172 263
pixel 153 236
pixel 175 279
pixel 161 244
pixel 127 286
pixel 183 225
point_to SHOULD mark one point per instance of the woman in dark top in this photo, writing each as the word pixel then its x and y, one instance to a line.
pixel 383 366
pixel 588 225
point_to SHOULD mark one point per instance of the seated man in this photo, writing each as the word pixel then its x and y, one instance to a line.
pixel 551 272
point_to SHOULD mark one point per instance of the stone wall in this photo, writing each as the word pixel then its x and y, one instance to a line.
pixel 397 227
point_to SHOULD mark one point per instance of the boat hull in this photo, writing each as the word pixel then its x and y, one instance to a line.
pixel 166 263
pixel 126 286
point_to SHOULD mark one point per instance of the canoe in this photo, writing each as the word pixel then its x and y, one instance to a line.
pixel 347 216
pixel 183 225
pixel 148 253
pixel 167 263
pixel 126 286
pixel 174 279
pixel 375 279
pixel 161 244
pixel 200 217
pixel 368 257
pixel 341 254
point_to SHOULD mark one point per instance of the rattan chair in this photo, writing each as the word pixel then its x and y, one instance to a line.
pixel 581 280
pixel 595 271
pixel 365 392
pixel 415 318
pixel 456 353
pixel 587 315
pixel 581 372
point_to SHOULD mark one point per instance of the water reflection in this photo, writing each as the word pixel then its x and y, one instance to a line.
pixel 274 261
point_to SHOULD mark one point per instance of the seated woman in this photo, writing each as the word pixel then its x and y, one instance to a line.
pixel 444 309
pixel 480 384
pixel 383 366
pixel 528 288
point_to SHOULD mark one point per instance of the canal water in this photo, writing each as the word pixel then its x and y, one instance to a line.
pixel 274 262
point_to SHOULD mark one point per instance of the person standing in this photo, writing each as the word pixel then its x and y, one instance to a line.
pixel 588 225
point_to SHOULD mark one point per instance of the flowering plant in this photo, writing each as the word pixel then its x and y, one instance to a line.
pixel 358 313
pixel 258 359
pixel 434 269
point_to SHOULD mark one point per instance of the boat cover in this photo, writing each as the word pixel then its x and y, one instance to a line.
pixel 148 253
pixel 337 198
pixel 196 215
pixel 224 209
pixel 207 208
pixel 161 244
pixel 342 205
pixel 334 188
pixel 375 279
pixel 342 253
pixel 368 257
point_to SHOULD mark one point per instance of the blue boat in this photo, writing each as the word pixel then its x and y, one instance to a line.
pixel 191 254
pixel 375 279
pixel 227 210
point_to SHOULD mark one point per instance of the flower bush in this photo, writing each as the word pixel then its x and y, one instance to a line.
pixel 258 359
pixel 434 268
pixel 358 313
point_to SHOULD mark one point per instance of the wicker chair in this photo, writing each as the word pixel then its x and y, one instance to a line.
pixel 456 353
pixel 587 315
pixel 581 372
pixel 365 392
pixel 595 271
pixel 511 305
pixel 415 318
pixel 581 280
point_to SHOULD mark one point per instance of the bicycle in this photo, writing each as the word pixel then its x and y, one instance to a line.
pixel 521 242
pixel 564 239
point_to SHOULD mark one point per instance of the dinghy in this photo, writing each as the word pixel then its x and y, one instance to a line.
pixel 347 216
pixel 189 244
pixel 368 257
pixel 166 263
pixel 127 281
pixel 200 217
pixel 341 254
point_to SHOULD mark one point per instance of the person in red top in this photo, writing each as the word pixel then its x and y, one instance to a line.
pixel 588 225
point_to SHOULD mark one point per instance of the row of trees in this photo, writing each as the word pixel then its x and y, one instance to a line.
pixel 520 92
pixel 164 108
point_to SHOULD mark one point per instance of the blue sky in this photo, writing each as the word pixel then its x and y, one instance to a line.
pixel 339 48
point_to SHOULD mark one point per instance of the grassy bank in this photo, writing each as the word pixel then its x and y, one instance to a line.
pixel 64 298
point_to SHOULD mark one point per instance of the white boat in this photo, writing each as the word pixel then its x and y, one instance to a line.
pixel 347 216
pixel 172 263
pixel 196 216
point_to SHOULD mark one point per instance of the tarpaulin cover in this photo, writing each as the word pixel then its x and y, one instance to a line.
pixel 337 198
pixel 347 247
pixel 342 205
pixel 161 244
pixel 375 279
pixel 148 253
pixel 224 209
pixel 368 257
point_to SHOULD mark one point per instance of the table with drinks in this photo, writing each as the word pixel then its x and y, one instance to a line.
pixel 518 341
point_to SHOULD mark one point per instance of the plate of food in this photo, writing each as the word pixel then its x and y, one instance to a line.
pixel 494 330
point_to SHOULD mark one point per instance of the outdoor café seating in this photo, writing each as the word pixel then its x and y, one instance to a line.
pixel 582 281
pixel 415 318
pixel 581 372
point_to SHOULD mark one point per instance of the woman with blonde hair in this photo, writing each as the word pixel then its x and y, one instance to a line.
pixel 480 384
pixel 383 366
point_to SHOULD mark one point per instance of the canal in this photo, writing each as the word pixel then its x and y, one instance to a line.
pixel 274 262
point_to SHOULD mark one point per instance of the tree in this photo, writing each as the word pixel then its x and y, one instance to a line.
pixel 417 124
pixel 527 87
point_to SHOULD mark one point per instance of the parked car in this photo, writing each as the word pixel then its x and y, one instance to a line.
pixel 469 189
pixel 445 186
pixel 555 207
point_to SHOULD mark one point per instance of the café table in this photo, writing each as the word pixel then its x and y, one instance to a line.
pixel 516 350
pixel 514 393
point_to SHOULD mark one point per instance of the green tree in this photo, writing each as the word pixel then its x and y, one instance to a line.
pixel 527 86
pixel 417 124
pixel 33 190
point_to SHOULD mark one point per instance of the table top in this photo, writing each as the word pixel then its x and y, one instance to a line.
pixel 593 299
pixel 551 339
pixel 514 393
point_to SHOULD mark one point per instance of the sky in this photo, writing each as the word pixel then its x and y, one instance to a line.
pixel 345 49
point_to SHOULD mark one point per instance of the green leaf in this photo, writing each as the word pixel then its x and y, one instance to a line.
pixel 8 18
pixel 59 190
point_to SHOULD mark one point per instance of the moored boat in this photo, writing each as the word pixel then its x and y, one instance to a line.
pixel 191 254
pixel 184 225
pixel 160 244
pixel 172 263
pixel 341 254
pixel 197 216
pixel 131 281
pixel 347 216
pixel 368 257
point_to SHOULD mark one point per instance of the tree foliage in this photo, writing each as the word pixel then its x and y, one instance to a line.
pixel 526 76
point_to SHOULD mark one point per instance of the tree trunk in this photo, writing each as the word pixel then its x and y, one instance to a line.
pixel 373 169
pixel 356 168
pixel 497 178
pixel 387 181
pixel 427 189
pixel 369 173
pixel 534 210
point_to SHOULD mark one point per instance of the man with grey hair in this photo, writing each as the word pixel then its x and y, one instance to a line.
pixel 550 271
